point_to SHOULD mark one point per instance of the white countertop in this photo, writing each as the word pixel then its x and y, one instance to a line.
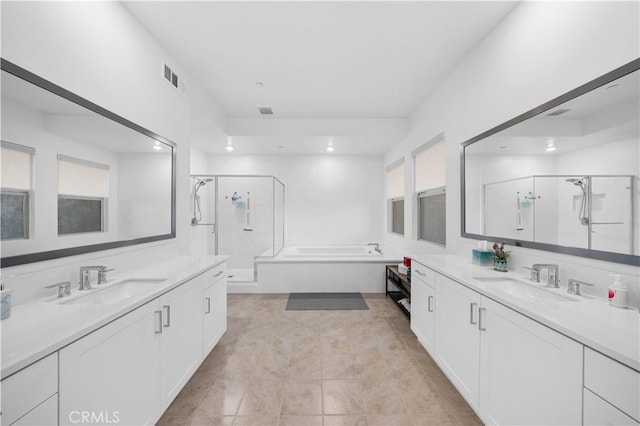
pixel 612 331
pixel 38 329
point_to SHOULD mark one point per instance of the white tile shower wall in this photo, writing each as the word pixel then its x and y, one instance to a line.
pixel 507 74
pixel 328 199
pixel 100 52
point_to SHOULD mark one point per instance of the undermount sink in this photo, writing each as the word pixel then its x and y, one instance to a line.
pixel 523 290
pixel 117 292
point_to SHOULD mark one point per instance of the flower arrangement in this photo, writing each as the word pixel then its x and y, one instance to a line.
pixel 499 253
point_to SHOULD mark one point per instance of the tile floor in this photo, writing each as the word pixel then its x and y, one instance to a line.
pixel 277 367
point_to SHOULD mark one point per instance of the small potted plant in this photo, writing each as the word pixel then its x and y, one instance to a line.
pixel 500 257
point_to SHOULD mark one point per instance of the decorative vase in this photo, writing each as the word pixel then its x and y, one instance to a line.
pixel 500 265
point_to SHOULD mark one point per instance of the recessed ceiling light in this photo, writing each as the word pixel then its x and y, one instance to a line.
pixel 551 148
pixel 280 146
pixel 157 147
pixel 260 84
pixel 229 148
pixel 503 147
pixel 329 148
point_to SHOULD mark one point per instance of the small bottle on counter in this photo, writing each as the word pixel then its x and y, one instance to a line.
pixel 618 293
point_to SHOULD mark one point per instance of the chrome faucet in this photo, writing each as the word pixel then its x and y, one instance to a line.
pixel 574 286
pixel 553 273
pixel 85 276
pixel 376 247
pixel 64 288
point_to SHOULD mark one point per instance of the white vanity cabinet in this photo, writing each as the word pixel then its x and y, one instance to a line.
pixel 214 296
pixel 457 336
pixel 180 339
pixel 114 371
pixel 509 368
pixel 423 305
pixel 529 373
pixel 611 391
pixel 29 397
pixel 130 370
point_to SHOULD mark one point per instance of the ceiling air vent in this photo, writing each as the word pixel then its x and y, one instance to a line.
pixel 172 78
pixel 558 112
pixel 265 110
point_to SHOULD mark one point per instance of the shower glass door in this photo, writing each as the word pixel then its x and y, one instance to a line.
pixel 612 212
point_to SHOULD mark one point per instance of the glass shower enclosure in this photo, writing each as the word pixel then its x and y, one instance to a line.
pixel 240 216
pixel 598 212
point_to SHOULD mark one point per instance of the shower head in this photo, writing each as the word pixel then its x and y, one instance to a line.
pixel 576 182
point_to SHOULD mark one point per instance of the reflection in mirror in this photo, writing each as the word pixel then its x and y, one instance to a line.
pixel 75 177
pixel 563 177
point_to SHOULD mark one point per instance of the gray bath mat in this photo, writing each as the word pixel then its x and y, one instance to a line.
pixel 326 301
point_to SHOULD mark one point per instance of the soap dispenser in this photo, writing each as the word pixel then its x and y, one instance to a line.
pixel 618 293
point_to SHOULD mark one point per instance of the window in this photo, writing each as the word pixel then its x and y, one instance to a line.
pixel 395 197
pixel 430 181
pixel 82 195
pixel 15 190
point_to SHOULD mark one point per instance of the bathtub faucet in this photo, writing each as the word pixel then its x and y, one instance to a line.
pixel 376 247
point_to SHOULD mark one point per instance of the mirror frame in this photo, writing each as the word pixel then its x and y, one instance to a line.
pixel 627 259
pixel 34 79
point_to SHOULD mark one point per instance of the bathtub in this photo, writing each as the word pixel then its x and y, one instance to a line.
pixel 320 268
pixel 338 252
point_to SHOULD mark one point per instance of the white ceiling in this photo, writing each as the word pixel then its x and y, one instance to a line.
pixel 318 60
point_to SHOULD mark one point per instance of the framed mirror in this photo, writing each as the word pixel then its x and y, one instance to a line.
pixel 563 177
pixel 77 178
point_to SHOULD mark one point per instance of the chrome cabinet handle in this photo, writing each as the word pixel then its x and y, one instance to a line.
pixel 471 309
pixel 481 325
pixel 218 274
pixel 419 272
pixel 158 322
pixel 167 312
pixel 430 304
pixel 208 299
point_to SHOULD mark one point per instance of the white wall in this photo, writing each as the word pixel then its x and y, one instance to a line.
pixel 26 126
pixel 539 51
pixel 100 52
pixel 328 198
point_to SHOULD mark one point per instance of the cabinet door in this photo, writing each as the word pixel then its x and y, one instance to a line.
pixel 112 373
pixel 458 340
pixel 181 339
pixel 529 373
pixel 423 314
pixel 215 313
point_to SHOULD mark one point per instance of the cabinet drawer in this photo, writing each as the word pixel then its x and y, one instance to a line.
pixel 28 388
pixel 45 414
pixel 214 275
pixel 423 273
pixel 612 381
pixel 597 411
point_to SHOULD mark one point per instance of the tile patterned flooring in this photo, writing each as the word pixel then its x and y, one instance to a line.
pixel 277 367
